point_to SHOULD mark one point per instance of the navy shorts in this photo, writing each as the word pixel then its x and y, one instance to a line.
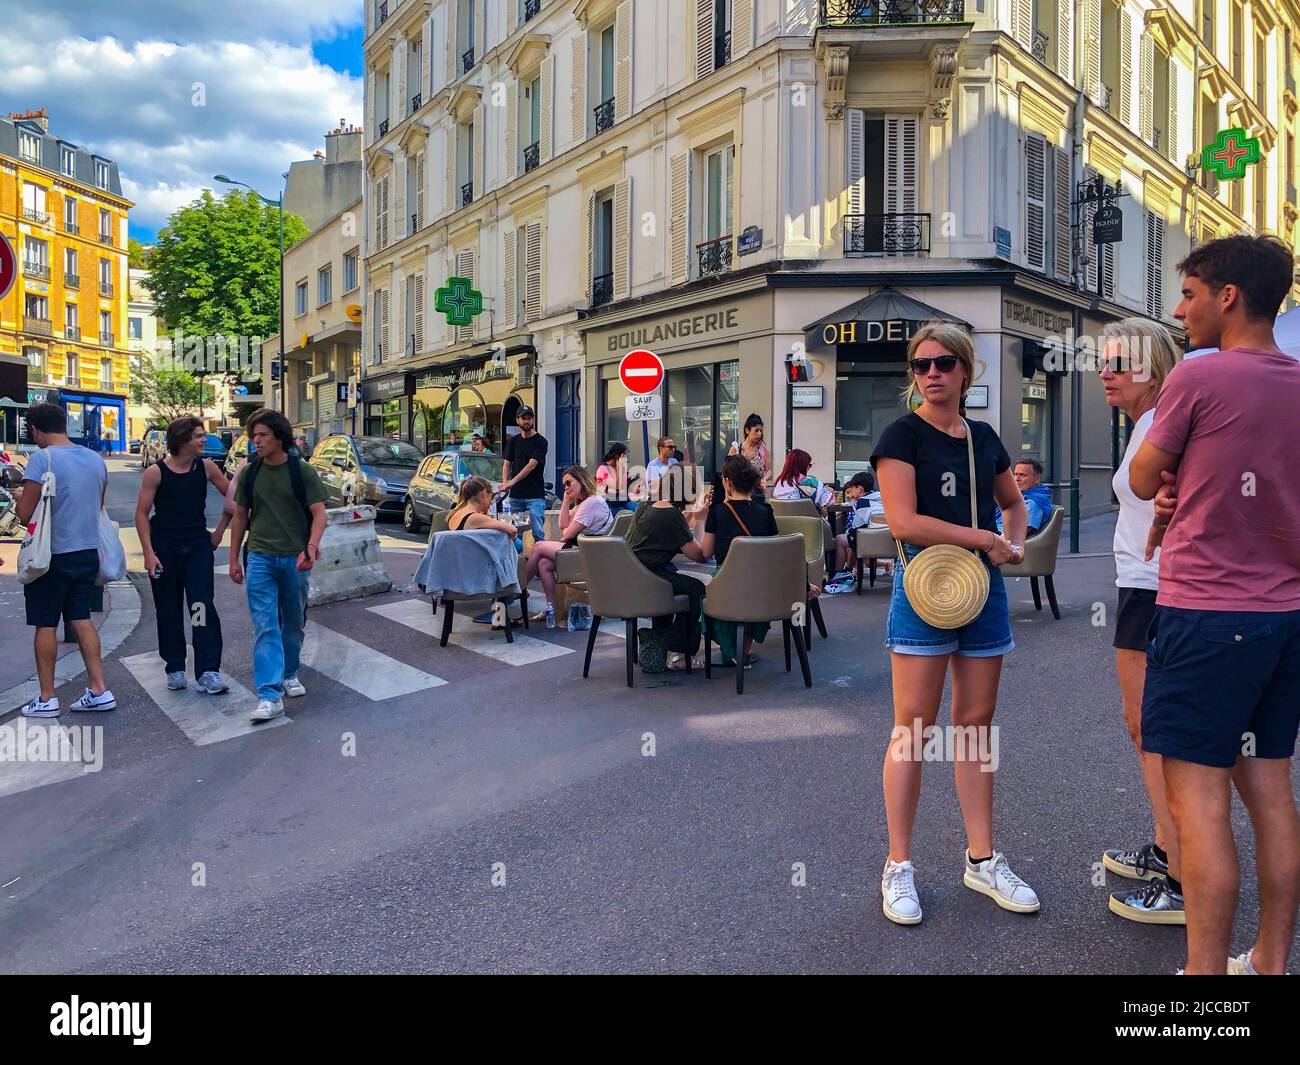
pixel 68 586
pixel 988 636
pixel 1221 684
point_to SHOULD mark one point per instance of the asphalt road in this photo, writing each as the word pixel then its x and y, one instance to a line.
pixel 517 818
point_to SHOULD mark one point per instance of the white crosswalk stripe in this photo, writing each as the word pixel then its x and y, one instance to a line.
pixel 363 669
pixel 41 738
pixel 203 718
pixel 416 614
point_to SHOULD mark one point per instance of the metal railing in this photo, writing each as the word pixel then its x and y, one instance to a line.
pixel 531 8
pixel 71 227
pixel 467 194
pixel 72 332
pixel 467 60
pixel 106 339
pixel 604 115
pixel 106 238
pixel 1155 138
pixel 39 326
pixel 41 270
pixel 714 256
pixel 602 289
pixel 722 49
pixel 416 101
pixel 415 222
pixel 33 215
pixel 72 281
pixel 887 234
pixel 383 128
pixel 410 345
pixel 106 288
pixel 889 12
pixel 1039 47
pixel 532 156
pixel 383 13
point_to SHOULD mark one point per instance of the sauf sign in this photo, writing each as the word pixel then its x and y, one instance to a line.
pixel 856 332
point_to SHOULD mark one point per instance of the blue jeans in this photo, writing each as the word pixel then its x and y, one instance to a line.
pixel 277 601
pixel 988 636
pixel 536 508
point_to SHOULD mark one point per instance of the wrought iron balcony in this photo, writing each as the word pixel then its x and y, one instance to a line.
pixel 39 326
pixel 602 289
pixel 71 227
pixel 1155 138
pixel 39 217
pixel 1039 47
pixel 416 101
pixel 604 115
pixel 886 234
pixel 532 156
pixel 106 339
pixel 714 256
pixel 106 288
pixel 383 13
pixel 467 60
pixel 72 280
pixel 722 49
pixel 467 194
pixel 383 129
pixel 889 12
pixel 72 332
pixel 531 8
pixel 415 223
pixel 106 238
pixel 410 345
pixel 41 270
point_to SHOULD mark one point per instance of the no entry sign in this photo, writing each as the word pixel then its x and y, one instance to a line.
pixel 9 266
pixel 641 372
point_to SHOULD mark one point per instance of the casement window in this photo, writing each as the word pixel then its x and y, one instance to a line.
pixel 414 73
pixel 724 31
pixel 101 174
pixel 601 251
pixel 106 327
pixel 71 368
pixel 1047 207
pixel 1155 264
pixel 602 75
pixel 1043 28
pixel 70 215
pixel 106 374
pixel 135 328
pixel 349 271
pixel 34 203
pixel 300 298
pixel 414 208
pixel 883 163
pixel 324 285
pixel 106 277
pixel 105 226
pixel 36 257
pixel 71 323
pixel 712 223
pixel 29 146
pixel 381 212
pixel 70 265
pixel 68 161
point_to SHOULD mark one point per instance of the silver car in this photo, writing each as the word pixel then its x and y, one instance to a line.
pixel 366 469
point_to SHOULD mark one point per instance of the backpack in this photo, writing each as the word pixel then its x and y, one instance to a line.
pixel 295 482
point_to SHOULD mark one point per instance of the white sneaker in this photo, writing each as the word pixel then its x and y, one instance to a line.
pixel 293 687
pixel 212 683
pixel 39 707
pixel 89 701
pixel 176 681
pixel 901 904
pixel 1241 966
pixel 267 710
pixel 995 879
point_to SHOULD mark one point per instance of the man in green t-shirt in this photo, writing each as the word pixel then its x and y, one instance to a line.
pixel 280 501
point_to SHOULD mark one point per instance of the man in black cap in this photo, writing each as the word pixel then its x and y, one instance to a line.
pixel 522 475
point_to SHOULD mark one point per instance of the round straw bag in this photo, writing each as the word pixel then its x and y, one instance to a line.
pixel 945 584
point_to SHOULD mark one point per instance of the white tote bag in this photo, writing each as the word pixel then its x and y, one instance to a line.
pixel 34 554
pixel 112 557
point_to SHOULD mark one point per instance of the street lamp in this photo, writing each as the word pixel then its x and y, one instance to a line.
pixel 280 205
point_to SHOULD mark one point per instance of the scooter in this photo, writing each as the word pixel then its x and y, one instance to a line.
pixel 9 523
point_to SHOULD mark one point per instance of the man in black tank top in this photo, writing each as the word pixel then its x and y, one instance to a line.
pixel 178 554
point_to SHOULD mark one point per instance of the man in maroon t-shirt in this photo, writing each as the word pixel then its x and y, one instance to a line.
pixel 1222 697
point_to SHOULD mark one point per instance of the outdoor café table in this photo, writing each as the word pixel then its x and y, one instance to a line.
pixel 836 514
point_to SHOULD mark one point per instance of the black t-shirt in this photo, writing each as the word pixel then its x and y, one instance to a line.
pixel 657 535
pixel 518 451
pixel 758 519
pixel 935 455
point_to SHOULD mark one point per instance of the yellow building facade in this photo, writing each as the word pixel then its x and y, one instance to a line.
pixel 65 318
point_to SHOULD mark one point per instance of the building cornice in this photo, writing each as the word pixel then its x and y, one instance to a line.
pixel 705 120
pixel 604 171
pixel 529 203
pixel 589 11
pixel 463 101
pixel 528 53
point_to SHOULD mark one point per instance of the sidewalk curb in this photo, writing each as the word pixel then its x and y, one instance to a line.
pixel 123 617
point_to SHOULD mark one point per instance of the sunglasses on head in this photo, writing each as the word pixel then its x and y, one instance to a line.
pixel 945 363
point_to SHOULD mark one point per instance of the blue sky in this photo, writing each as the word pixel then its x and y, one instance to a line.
pixel 177 92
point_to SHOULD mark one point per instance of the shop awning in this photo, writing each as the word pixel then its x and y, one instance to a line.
pixel 883 317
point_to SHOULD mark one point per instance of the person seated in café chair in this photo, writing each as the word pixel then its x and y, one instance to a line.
pixel 470 514
pixel 1038 497
pixel 794 482
pixel 582 510
pixel 860 493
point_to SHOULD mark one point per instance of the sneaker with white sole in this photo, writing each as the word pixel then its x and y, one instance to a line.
pixel 176 681
pixel 293 687
pixel 898 887
pixel 91 703
pixel 1155 902
pixel 39 707
pixel 212 683
pixel 267 710
pixel 995 879
pixel 1140 864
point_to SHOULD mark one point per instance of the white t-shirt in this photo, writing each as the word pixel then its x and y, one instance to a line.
pixel 1134 523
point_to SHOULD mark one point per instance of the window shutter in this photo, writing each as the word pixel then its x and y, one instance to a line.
pixel 703 38
pixel 402 347
pixel 453 202
pixel 1155 265
pixel 1108 271
pixel 1022 23
pixel 465 269
pixel 509 279
pixel 679 219
pixel 381 213
pixel 385 344
pixel 419 190
pixel 1125 67
pixel 512 16
pixel 1062 210
pixel 742 27
pixel 419 313
pixel 426 60
pixel 902 134
pixel 544 110
pixel 589 246
pixel 856 128
pixel 512 130
pixel 399 65
pixel 1065 39
pixel 453 58
pixel 578 95
pixel 1147 89
pixel 399 198
pixel 622 238
pixel 480 116
pixel 480 31
pixel 1172 140
pixel 1035 201
pixel 533 271
pixel 623 61
pixel 1091 49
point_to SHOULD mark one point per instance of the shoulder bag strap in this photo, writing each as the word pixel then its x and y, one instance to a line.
pixel 970 458
pixel 739 520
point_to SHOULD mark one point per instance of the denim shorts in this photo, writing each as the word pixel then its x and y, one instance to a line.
pixel 988 636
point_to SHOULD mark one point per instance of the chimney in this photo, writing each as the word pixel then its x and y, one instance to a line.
pixel 343 145
pixel 37 116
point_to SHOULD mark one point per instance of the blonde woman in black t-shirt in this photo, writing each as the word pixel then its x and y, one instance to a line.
pixel 923 468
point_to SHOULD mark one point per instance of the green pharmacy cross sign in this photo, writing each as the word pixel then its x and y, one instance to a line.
pixel 1230 154
pixel 459 300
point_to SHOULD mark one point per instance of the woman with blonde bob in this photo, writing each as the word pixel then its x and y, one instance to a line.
pixel 923 468
pixel 1137 357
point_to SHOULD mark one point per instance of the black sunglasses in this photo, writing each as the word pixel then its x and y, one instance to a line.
pixel 946 364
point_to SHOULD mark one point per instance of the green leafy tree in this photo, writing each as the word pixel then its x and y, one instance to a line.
pixel 167 393
pixel 137 254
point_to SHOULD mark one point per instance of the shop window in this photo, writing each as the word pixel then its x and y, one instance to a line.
pixel 703 411
pixel 615 425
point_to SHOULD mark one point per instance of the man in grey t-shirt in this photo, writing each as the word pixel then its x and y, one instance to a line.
pixel 80 483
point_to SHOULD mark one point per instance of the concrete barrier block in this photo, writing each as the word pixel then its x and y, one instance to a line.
pixel 350 565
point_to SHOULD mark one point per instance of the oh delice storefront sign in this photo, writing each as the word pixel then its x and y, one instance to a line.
pixel 875 332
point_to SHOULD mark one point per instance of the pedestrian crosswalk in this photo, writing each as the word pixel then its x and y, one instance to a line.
pixel 363 669
pixel 524 651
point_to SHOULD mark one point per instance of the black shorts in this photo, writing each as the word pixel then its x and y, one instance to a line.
pixel 1137 606
pixel 68 586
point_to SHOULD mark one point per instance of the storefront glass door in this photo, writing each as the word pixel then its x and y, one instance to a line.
pixel 864 404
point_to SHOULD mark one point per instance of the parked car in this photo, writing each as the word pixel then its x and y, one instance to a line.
pixel 436 484
pixel 214 449
pixel 154 448
pixel 135 447
pixel 366 469
pixel 240 450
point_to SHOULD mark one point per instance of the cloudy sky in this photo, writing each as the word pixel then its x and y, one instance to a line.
pixel 120 80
